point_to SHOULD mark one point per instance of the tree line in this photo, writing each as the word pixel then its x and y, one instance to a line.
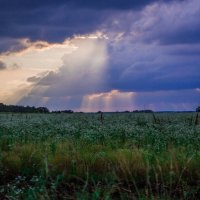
pixel 28 109
pixel 32 109
pixel 22 109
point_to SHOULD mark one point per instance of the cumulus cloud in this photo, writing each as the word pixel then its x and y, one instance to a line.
pixel 114 100
pixel 83 72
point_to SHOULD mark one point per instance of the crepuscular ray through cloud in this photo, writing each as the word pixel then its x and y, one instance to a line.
pixel 83 72
pixel 150 49
pixel 108 101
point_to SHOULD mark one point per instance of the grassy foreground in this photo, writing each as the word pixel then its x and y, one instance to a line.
pixel 79 156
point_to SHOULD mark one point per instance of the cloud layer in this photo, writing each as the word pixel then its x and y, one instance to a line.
pixel 86 53
pixel 54 21
pixel 82 72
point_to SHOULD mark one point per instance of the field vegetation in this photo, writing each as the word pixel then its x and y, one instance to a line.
pixel 89 156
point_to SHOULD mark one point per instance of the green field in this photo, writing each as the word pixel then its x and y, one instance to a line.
pixel 80 156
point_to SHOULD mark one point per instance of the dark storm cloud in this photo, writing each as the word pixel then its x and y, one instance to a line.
pixel 103 4
pixel 173 100
pixel 171 97
pixel 2 65
pixel 177 23
pixel 159 50
pixel 54 21
pixel 146 77
pixel 153 49
pixel 159 68
pixel 10 44
pixel 49 24
pixel 164 23
pixel 184 32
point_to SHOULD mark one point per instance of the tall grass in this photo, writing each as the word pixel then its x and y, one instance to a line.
pixel 77 157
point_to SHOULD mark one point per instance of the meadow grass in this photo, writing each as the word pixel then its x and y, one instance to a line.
pixel 76 156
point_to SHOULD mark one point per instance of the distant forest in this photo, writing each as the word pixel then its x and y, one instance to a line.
pixel 28 109
pixel 32 109
pixel 22 109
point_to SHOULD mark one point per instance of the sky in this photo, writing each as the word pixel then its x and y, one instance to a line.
pixel 109 55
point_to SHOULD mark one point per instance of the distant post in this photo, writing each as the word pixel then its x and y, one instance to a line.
pixel 197 116
pixel 101 116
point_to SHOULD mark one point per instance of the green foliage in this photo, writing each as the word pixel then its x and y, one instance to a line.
pixel 76 156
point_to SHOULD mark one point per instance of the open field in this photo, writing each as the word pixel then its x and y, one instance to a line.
pixel 80 156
